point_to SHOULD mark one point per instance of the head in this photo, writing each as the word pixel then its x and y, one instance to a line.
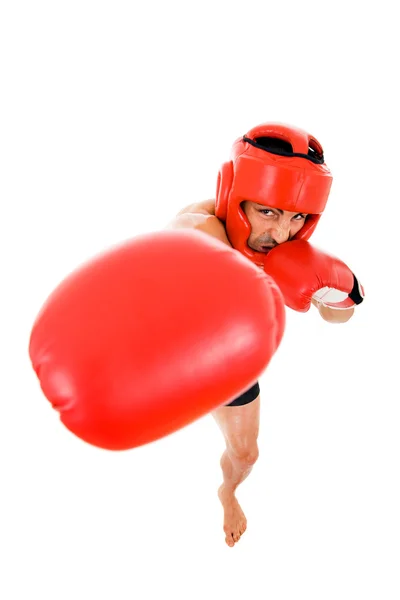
pixel 274 188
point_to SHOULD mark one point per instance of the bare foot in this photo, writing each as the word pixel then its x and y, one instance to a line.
pixel 235 522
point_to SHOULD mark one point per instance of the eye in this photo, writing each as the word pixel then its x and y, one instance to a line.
pixel 266 211
pixel 299 217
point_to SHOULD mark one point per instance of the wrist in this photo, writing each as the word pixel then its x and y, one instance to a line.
pixel 333 315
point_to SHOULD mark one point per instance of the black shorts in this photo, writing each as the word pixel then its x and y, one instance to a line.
pixel 247 397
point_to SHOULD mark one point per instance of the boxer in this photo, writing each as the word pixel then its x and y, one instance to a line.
pixel 167 327
pixel 270 196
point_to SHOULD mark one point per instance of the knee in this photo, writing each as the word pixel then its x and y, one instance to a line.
pixel 244 454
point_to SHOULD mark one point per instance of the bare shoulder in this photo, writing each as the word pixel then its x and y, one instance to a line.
pixel 207 207
pixel 196 216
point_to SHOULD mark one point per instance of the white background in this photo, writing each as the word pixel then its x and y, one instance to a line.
pixel 114 115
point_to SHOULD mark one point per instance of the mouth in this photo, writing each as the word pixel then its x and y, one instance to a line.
pixel 266 249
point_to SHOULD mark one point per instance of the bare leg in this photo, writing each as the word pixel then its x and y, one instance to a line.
pixel 240 426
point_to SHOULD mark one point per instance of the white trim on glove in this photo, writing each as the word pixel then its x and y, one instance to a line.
pixel 328 296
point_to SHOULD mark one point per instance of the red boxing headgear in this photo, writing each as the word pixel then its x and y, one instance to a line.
pixel 276 165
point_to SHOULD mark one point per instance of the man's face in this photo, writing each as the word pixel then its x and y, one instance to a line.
pixel 271 226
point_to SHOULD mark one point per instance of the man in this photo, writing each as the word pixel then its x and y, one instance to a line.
pixel 262 206
pixel 115 346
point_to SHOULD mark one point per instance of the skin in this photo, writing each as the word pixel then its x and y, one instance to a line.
pixel 271 226
pixel 240 424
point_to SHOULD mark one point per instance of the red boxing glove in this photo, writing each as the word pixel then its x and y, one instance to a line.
pixel 302 272
pixel 152 335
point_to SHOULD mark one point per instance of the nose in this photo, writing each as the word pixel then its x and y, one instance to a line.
pixel 280 234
